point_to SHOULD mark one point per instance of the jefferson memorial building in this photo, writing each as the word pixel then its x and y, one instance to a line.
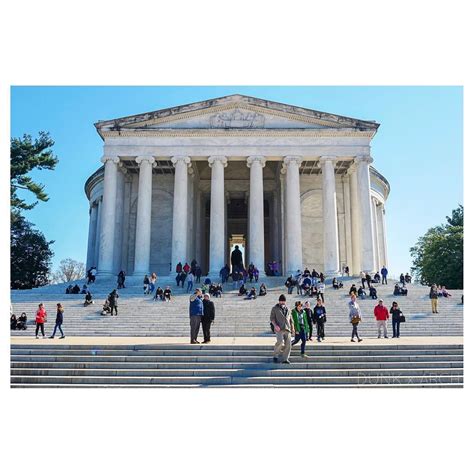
pixel 285 183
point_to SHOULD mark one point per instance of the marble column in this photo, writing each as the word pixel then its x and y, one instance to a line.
pixel 355 221
pixel 92 236
pixel 347 221
pixel 376 235
pixel 256 241
pixel 217 226
pixel 180 211
pixel 143 226
pixel 107 235
pixel 294 251
pixel 331 236
pixel 97 232
pixel 366 227
pixel 119 219
pixel 384 256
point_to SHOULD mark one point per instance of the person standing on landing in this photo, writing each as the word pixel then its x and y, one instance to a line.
pixel 196 311
pixel 355 317
pixel 59 321
pixel 381 316
pixel 41 317
pixel 209 312
pixel 397 314
pixel 319 313
pixel 283 326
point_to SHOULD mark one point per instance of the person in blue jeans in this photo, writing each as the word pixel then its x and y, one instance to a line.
pixel 301 324
pixel 396 313
pixel 59 322
pixel 190 280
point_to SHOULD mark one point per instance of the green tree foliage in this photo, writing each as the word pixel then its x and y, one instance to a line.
pixel 30 251
pixel 26 155
pixel 30 255
pixel 438 255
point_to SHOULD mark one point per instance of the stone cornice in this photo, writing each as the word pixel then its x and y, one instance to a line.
pixel 198 132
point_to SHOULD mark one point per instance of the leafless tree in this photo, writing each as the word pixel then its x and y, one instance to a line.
pixel 69 270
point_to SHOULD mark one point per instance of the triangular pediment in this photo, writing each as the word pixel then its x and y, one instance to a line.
pixel 235 112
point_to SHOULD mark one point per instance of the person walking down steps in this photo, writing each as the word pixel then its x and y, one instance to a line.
pixel 301 323
pixel 59 321
pixel 355 317
pixel 283 326
pixel 41 317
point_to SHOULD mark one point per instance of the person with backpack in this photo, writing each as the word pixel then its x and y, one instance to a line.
pixel 59 321
pixel 283 327
pixel 319 315
pixel 355 317
pixel 41 318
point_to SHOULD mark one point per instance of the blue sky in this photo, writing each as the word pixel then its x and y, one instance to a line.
pixel 418 148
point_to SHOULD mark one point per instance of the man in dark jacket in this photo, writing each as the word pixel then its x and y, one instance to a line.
pixel 207 319
pixel 113 297
pixel 196 311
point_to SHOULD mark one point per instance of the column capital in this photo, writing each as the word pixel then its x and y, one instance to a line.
pixel 363 159
pixel 256 159
pixel 113 159
pixel 146 159
pixel 292 160
pixel 181 158
pixel 217 159
pixel 326 159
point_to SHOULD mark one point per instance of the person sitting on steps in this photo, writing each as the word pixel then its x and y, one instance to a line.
pixel 88 299
pixel 373 292
pixel 167 294
pixel 159 294
pixel 361 293
pixel 263 290
pixel 21 323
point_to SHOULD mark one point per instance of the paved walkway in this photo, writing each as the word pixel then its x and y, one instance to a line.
pixel 372 341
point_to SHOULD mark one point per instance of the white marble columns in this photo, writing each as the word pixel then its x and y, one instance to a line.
pixel 92 236
pixel 107 235
pixel 331 236
pixel 294 250
pixel 384 256
pixel 366 228
pixel 217 225
pixel 143 227
pixel 180 210
pixel 256 241
pixel 355 221
pixel 376 234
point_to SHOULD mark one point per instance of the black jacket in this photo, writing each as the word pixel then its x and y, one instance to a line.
pixel 209 310
pixel 59 317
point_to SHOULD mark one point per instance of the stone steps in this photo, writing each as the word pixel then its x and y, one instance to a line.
pixel 209 366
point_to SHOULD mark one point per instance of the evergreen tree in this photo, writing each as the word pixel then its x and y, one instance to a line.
pixel 26 155
pixel 30 251
pixel 30 255
pixel 438 255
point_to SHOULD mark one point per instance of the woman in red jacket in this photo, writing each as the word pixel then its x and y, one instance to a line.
pixel 40 319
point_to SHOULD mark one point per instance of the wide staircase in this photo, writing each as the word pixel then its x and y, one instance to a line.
pixel 183 365
pixel 80 362
pixel 139 315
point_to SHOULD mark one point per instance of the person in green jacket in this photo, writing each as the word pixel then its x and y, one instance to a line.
pixel 301 323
